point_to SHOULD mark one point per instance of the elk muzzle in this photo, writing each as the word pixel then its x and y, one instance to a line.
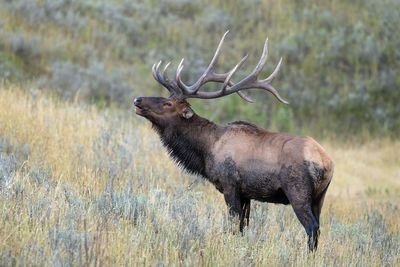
pixel 138 103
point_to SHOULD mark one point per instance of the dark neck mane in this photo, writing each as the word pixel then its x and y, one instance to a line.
pixel 189 143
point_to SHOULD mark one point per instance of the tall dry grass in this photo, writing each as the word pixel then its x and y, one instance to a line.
pixel 81 186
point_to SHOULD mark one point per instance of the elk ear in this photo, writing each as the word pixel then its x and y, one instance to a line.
pixel 187 113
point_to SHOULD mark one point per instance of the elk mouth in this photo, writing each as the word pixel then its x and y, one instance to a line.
pixel 140 110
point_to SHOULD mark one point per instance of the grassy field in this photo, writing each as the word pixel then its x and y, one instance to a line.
pixel 82 186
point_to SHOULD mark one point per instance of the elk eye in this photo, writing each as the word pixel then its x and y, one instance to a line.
pixel 167 104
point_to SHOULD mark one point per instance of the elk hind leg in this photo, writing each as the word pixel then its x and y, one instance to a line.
pixel 303 211
pixel 307 219
pixel 317 204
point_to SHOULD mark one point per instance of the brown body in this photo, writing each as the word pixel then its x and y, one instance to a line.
pixel 259 154
pixel 242 160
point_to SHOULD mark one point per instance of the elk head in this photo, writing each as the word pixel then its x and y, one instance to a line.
pixel 163 111
pixel 175 108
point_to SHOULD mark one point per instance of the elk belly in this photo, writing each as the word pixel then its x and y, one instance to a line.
pixel 261 181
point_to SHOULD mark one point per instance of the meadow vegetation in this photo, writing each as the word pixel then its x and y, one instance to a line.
pixel 86 182
pixel 83 186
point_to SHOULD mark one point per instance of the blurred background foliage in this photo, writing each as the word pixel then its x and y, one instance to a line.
pixel 340 71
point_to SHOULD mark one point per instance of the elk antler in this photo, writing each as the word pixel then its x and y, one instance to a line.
pixel 179 89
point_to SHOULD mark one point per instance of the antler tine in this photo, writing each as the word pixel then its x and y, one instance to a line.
pixel 230 74
pixel 273 91
pixel 178 72
pixel 262 61
pixel 207 76
pixel 153 71
pixel 251 80
pixel 156 74
pixel 254 74
pixel 245 97
pixel 157 71
pixel 164 73
pixel 162 78
pixel 274 73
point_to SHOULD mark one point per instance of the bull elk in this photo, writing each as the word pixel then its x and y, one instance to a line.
pixel 242 160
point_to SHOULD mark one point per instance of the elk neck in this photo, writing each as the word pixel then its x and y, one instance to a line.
pixel 189 142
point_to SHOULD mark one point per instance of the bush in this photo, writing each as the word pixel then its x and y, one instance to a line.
pixel 93 83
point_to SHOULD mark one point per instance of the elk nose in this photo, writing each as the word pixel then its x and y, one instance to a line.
pixel 137 101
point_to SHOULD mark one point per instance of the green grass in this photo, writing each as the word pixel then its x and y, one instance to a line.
pixel 82 186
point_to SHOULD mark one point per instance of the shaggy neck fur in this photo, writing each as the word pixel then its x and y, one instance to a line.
pixel 189 142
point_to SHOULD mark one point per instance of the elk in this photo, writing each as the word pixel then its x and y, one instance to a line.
pixel 242 160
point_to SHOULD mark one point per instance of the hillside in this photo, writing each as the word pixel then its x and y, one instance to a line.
pixel 339 71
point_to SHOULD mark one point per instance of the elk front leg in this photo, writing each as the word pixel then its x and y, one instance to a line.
pixel 244 213
pixel 233 201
